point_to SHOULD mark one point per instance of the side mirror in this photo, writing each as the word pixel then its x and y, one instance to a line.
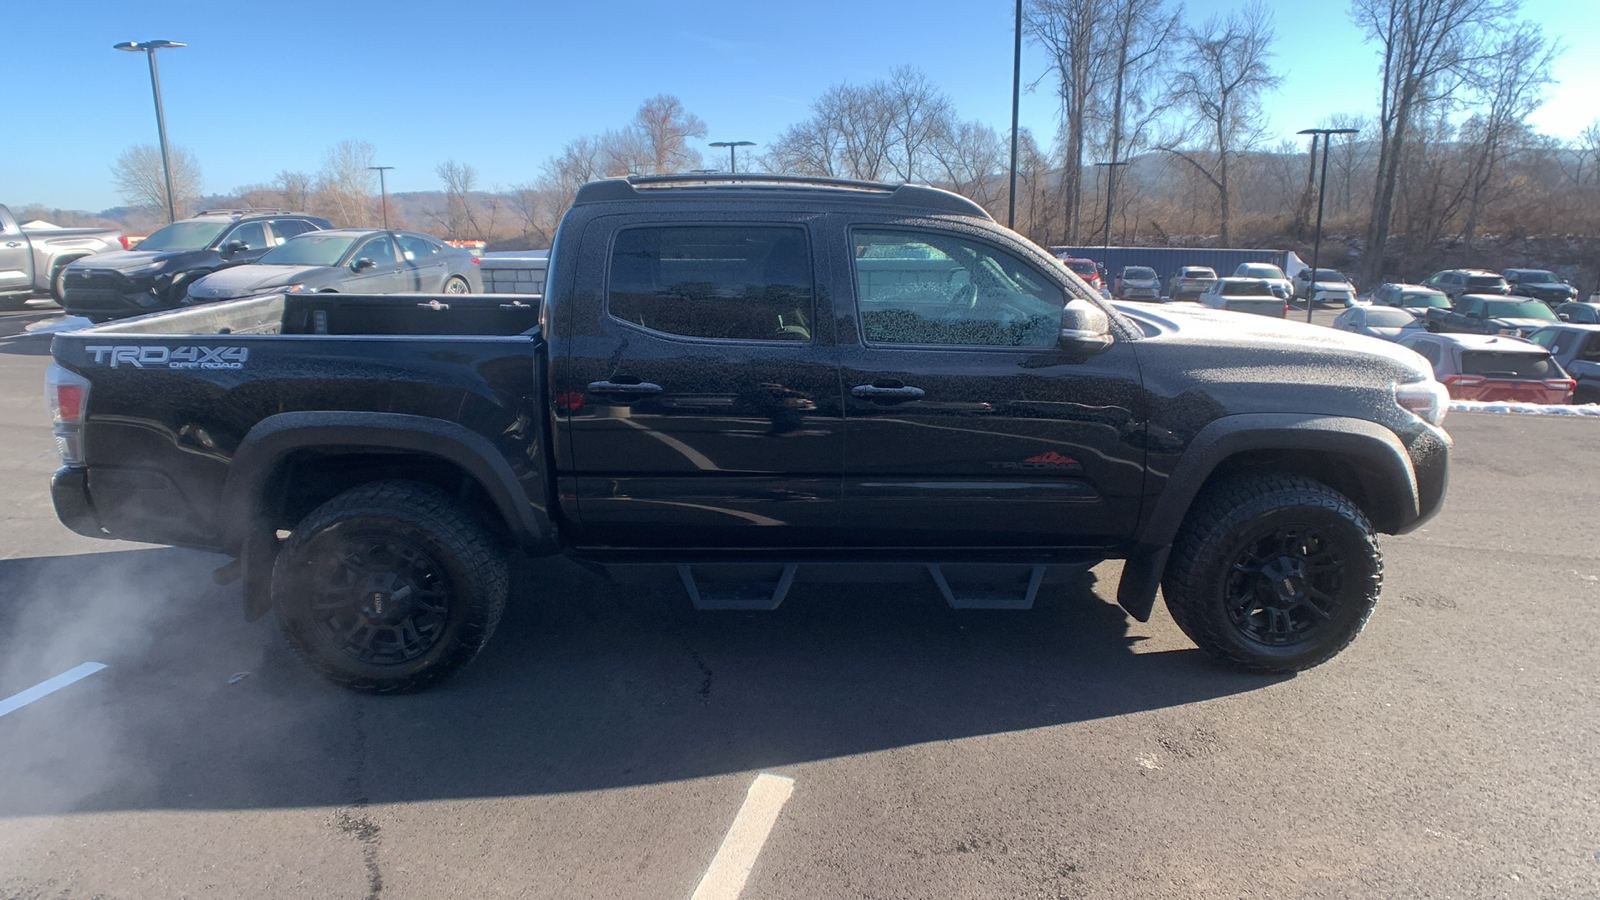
pixel 1565 317
pixel 232 247
pixel 1085 328
pixel 364 262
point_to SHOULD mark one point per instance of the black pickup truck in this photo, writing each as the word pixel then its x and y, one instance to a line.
pixel 1491 314
pixel 736 384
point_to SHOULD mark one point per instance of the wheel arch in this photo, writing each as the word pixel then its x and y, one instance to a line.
pixel 1361 459
pixel 291 462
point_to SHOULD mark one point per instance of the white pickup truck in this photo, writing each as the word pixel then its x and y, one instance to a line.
pixel 31 260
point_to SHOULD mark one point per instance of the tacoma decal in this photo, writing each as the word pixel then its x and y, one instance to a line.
pixel 171 357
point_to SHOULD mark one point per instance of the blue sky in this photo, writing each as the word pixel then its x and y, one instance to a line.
pixel 502 85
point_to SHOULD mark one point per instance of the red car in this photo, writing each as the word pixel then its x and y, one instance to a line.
pixel 1083 268
pixel 1493 367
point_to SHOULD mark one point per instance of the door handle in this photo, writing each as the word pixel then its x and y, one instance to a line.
pixel 874 392
pixel 612 387
pixel 13 243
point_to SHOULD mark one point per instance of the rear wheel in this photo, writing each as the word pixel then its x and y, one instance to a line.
pixel 1273 573
pixel 456 285
pixel 388 587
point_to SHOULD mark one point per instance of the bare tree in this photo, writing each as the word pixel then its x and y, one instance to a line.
pixel 1224 73
pixel 460 217
pixel 530 204
pixel 1512 84
pixel 851 134
pixel 1428 48
pixel 664 128
pixel 1141 31
pixel 138 176
pixel 1068 30
pixel 918 114
pixel 344 184
pixel 293 188
pixel 580 161
pixel 970 157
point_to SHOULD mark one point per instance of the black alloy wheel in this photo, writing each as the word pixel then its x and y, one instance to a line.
pixel 1273 572
pixel 389 587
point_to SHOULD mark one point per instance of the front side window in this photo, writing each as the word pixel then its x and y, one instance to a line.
pixel 253 234
pixel 917 287
pixel 730 282
pixel 379 250
pixel 1544 337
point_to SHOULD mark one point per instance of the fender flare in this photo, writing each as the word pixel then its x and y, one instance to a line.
pixel 274 437
pixel 1379 450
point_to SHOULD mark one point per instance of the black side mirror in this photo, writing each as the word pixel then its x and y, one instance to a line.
pixel 232 247
pixel 364 262
pixel 1085 328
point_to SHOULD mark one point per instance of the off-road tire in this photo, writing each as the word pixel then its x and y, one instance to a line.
pixel 1222 587
pixel 339 554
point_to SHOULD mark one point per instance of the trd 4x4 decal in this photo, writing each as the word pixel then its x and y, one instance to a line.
pixel 171 357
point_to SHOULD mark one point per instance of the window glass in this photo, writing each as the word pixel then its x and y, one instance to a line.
pixel 1591 350
pixel 283 229
pixel 254 235
pixel 1508 364
pixel 1388 317
pixel 1485 281
pixel 315 249
pixel 928 288
pixel 415 247
pixel 1544 337
pixel 734 282
pixel 379 250
pixel 195 235
pixel 1514 309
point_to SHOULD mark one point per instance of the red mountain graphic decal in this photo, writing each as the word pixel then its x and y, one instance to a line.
pixel 1052 458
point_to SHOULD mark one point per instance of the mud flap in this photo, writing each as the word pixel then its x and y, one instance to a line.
pixel 260 551
pixel 1141 575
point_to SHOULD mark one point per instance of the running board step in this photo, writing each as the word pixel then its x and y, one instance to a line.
pixel 737 595
pixel 970 597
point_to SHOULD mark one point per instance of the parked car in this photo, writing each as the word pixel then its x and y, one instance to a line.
pixel 1540 284
pixel 1249 295
pixel 1576 349
pixel 1136 283
pixel 349 260
pixel 1493 367
pixel 32 261
pixel 1189 282
pixel 1269 273
pixel 1490 314
pixel 1386 322
pixel 1416 298
pixel 1085 269
pixel 374 487
pixel 1456 282
pixel 157 274
pixel 1330 287
pixel 1579 313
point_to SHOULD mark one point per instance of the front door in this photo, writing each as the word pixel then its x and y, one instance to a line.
pixel 966 422
pixel 387 274
pixel 16 260
pixel 701 395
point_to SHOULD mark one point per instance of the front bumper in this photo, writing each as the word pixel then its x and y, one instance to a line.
pixel 100 292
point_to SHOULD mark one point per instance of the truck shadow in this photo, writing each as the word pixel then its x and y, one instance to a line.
pixel 587 686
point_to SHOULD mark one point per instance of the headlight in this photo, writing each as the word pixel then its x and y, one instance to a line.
pixel 1426 399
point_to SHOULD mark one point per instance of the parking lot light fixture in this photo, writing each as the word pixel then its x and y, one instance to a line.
pixel 1322 188
pixel 383 192
pixel 733 164
pixel 150 48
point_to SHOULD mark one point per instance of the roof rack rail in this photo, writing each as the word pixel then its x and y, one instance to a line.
pixel 635 187
pixel 247 211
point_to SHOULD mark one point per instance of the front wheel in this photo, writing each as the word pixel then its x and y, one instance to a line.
pixel 1273 572
pixel 388 587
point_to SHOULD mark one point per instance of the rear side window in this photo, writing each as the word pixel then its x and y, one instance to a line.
pixel 740 282
pixel 416 248
pixel 283 229
pixel 1494 364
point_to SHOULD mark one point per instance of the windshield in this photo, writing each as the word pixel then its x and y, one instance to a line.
pixel 1485 281
pixel 1138 272
pixel 1330 275
pixel 1425 298
pixel 1389 318
pixel 309 250
pixel 1500 364
pixel 1198 273
pixel 1261 271
pixel 1246 289
pixel 184 236
pixel 1537 276
pixel 1083 267
pixel 1518 309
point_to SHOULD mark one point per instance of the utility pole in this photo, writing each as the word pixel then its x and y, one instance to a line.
pixel 383 192
pixel 1111 183
pixel 1316 245
pixel 1016 93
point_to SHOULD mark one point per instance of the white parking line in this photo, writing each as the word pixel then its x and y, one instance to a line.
pixel 46 688
pixel 725 879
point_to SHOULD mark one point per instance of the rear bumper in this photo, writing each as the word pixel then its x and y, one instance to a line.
pixel 69 491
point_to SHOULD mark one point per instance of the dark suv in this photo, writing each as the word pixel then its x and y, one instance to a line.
pixel 1540 284
pixel 157 273
pixel 1455 282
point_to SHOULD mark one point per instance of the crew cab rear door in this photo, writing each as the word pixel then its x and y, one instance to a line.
pixel 966 422
pixel 699 398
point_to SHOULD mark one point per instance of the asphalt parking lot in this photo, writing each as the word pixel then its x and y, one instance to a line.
pixel 609 738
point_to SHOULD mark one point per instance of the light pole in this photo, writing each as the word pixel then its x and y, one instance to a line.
pixel 1016 91
pixel 1111 184
pixel 1322 188
pixel 733 164
pixel 383 192
pixel 150 48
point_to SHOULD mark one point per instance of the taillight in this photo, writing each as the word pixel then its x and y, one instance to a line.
pixel 474 260
pixel 1464 380
pixel 124 239
pixel 67 394
pixel 1561 384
